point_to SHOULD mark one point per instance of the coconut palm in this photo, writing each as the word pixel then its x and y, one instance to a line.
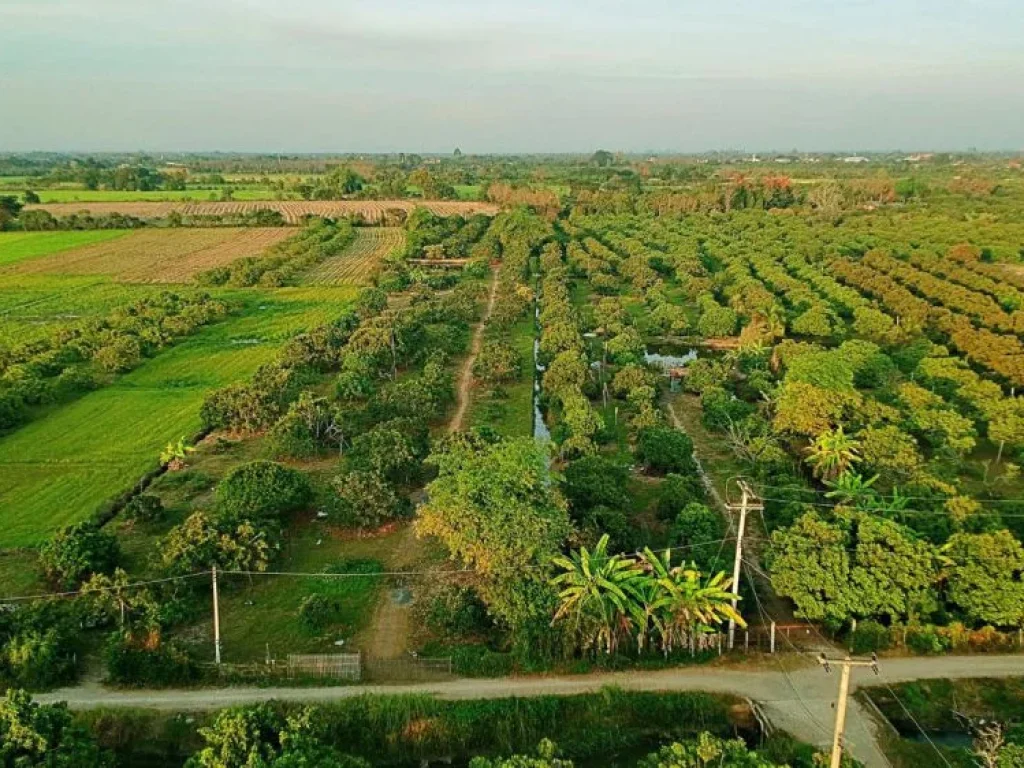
pixel 832 453
pixel 596 592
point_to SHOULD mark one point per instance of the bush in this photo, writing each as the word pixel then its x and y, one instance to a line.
pixel 594 480
pixel 38 659
pixel 317 612
pixel 869 637
pixel 168 664
pixel 262 490
pixel 145 508
pixel 77 552
pixel 926 640
pixel 675 492
pixel 664 449
pixel 455 611
pixel 367 499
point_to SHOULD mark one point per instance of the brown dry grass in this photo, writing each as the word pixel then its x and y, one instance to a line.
pixel 292 210
pixel 158 255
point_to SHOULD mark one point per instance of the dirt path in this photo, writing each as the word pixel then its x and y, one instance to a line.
pixel 799 700
pixel 466 378
pixel 391 628
pixel 769 606
pixel 389 632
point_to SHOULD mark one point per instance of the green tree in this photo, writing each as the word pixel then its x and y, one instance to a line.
pixel 665 449
pixel 77 552
pixel 44 735
pixel 706 751
pixel 262 490
pixel 498 363
pixel 366 499
pixel 494 505
pixel 986 578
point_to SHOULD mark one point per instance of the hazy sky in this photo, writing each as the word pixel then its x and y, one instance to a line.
pixel 519 75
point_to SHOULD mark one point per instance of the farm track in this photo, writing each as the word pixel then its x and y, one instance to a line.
pixel 799 701
pixel 158 255
pixel 389 632
pixel 466 378
pixel 293 211
pixel 357 263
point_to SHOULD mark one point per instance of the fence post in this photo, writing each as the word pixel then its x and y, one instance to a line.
pixel 746 640
pixel 771 642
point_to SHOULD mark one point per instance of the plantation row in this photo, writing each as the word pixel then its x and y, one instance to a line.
pixel 893 428
pixel 292 211
pixel 81 357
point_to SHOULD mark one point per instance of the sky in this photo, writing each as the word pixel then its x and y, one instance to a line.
pixel 514 76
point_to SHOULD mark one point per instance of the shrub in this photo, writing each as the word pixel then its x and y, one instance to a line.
pixel 367 499
pixel 167 664
pixel 78 551
pixel 870 636
pixel 262 489
pixel 926 640
pixel 145 508
pixel 38 659
pixel 595 480
pixel 456 611
pixel 664 449
pixel 317 612
pixel 675 492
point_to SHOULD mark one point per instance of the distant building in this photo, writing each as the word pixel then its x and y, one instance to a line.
pixel 856 159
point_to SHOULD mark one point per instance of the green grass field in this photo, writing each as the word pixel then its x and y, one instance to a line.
pixel 511 415
pixel 59 469
pixel 19 246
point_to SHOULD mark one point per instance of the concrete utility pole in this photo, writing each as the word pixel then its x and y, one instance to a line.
pixel 844 689
pixel 216 619
pixel 748 501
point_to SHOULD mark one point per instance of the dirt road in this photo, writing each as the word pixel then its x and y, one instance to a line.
pixel 466 378
pixel 799 700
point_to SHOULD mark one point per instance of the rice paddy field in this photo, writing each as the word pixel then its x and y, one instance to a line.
pixel 357 263
pixel 152 255
pixel 16 247
pixel 61 467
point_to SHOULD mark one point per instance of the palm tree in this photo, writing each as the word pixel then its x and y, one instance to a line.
pixel 852 488
pixel 597 590
pixel 832 453
pixel 687 605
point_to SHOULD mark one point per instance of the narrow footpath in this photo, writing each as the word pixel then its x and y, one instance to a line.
pixel 799 700
pixel 391 627
pixel 464 392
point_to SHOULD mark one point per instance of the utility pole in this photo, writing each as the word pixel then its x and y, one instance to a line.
pixel 747 502
pixel 216 619
pixel 844 689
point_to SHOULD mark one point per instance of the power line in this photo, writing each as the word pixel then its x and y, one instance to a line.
pixel 917 725
pixel 782 667
pixel 818 492
pixel 437 573
pixel 923 512
pixel 92 590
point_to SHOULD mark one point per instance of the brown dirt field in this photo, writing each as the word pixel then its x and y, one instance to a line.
pixel 158 255
pixel 292 210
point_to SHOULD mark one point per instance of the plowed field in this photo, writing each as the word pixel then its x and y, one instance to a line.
pixel 157 255
pixel 357 263
pixel 292 210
